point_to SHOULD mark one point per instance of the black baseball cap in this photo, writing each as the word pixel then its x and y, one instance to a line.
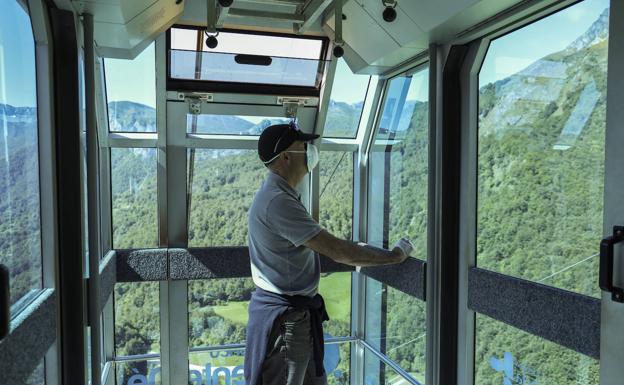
pixel 278 137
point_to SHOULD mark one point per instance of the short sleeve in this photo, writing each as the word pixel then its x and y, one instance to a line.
pixel 290 219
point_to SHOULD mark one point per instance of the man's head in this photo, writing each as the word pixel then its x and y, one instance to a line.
pixel 284 149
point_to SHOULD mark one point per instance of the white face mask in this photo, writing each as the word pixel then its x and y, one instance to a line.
pixel 312 156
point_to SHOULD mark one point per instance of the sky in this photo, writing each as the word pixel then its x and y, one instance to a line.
pixel 17 56
pixel 135 80
pixel 515 51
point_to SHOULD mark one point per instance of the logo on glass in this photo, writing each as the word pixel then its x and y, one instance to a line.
pixel 514 373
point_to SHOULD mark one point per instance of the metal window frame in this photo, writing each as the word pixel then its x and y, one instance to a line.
pixel 45 129
pixel 47 315
pixel 259 88
pixel 368 145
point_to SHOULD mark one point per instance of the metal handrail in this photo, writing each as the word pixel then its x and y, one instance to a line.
pixel 383 358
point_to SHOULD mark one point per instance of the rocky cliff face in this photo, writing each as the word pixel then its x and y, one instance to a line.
pixel 567 84
pixel 597 33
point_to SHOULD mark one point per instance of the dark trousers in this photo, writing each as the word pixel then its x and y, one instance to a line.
pixel 289 359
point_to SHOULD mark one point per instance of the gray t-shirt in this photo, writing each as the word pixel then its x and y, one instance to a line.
pixel 279 225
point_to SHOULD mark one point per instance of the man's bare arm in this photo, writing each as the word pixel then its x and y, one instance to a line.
pixel 350 253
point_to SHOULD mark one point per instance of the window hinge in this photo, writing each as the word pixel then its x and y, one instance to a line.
pixel 291 104
pixel 195 100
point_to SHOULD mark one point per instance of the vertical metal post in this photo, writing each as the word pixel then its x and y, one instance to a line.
pixel 450 141
pixel 45 117
pixel 319 127
pixel 93 201
pixel 433 251
pixel 366 129
pixel 71 270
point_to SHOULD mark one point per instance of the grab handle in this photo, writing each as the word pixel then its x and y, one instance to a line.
pixel 5 302
pixel 606 263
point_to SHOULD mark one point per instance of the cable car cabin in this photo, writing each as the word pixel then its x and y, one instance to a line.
pixel 482 138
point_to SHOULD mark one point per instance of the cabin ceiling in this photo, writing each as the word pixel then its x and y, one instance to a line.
pixel 123 28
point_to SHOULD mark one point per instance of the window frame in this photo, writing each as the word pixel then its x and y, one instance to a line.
pixel 245 88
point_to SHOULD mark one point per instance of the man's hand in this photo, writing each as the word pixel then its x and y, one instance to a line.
pixel 403 248
pixel 359 254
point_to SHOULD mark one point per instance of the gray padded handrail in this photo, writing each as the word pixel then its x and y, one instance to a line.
pixel 108 277
pixel 32 333
pixel 139 265
pixel 568 319
pixel 408 277
pixel 209 263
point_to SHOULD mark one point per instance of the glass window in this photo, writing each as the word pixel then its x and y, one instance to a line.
pixel 227 366
pixel 225 67
pixel 346 102
pixel 506 355
pixel 222 184
pixel 293 61
pixel 218 311
pixel 134 198
pixel 376 372
pixel 250 44
pixel 396 325
pixel 542 112
pixel 336 291
pixel 337 363
pixel 131 92
pixel 218 308
pixel 20 223
pixel 137 318
pixel 217 367
pixel 146 372
pixel 336 193
pixel 399 166
pixel 230 124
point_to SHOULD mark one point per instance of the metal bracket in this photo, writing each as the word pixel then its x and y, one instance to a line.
pixel 194 106
pixel 195 100
pixel 291 104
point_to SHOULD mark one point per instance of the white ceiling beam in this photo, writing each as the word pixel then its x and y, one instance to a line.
pixel 312 14
pixel 223 15
pixel 243 13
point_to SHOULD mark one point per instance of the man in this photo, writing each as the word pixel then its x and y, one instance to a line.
pixel 285 333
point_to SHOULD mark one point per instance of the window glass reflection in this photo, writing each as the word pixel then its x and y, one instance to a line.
pixel 396 326
pixel 148 372
pixel 399 166
pixel 230 124
pixel 346 102
pixel 506 355
pixel 541 149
